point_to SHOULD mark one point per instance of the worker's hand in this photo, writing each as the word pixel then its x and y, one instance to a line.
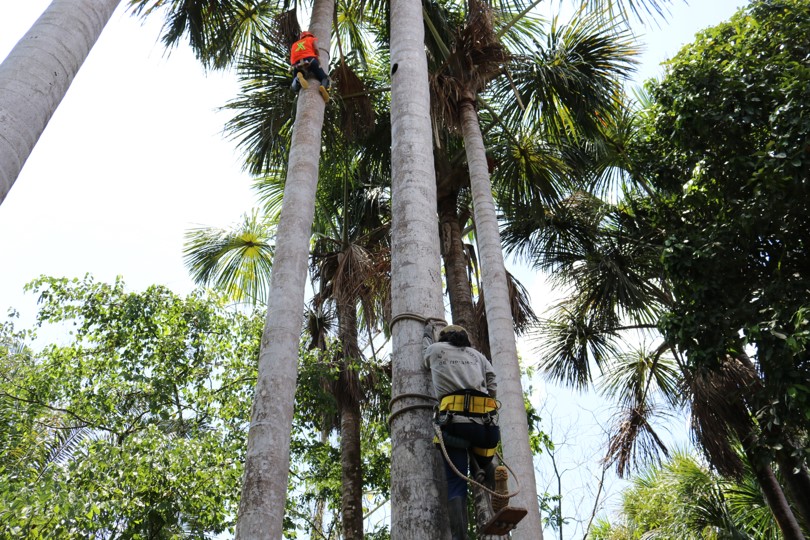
pixel 432 329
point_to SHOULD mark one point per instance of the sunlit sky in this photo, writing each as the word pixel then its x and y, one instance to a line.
pixel 135 156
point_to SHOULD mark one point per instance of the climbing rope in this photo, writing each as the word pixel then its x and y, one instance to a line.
pixel 413 316
pixel 432 399
pixel 438 431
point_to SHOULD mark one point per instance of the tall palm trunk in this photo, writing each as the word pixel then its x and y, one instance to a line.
pixel 798 481
pixel 267 462
pixel 774 495
pixel 455 267
pixel 513 422
pixel 416 477
pixel 349 404
pixel 37 73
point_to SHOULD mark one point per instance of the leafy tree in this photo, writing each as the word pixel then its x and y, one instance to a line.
pixel 712 252
pixel 731 119
pixel 134 424
pixel 682 499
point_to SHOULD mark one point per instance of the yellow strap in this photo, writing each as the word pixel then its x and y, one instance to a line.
pixel 484 452
pixel 477 404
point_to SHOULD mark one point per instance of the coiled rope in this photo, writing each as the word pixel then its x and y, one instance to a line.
pixel 415 317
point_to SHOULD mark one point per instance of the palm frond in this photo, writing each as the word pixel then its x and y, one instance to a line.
pixel 573 80
pixel 569 342
pixel 237 262
pixel 633 441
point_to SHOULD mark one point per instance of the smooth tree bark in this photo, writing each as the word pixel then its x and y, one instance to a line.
pixel 417 497
pixel 513 422
pixel 37 73
pixel 267 462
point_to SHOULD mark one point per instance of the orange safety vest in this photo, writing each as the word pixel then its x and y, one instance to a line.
pixel 303 48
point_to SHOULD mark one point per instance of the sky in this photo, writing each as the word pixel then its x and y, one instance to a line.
pixel 135 156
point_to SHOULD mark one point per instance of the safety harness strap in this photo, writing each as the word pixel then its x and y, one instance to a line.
pixel 468 404
pixel 458 442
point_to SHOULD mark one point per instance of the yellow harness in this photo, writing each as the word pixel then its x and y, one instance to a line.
pixel 468 404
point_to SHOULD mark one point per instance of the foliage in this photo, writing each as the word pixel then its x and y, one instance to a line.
pixel 727 145
pixel 683 500
pixel 133 423
pixel 132 426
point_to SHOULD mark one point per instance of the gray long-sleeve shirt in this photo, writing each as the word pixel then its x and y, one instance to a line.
pixel 458 368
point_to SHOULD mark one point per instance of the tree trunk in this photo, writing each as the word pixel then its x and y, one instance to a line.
pixel 267 462
pixel 513 422
pixel 798 482
pixel 348 399
pixel 455 267
pixel 774 496
pixel 417 507
pixel 37 73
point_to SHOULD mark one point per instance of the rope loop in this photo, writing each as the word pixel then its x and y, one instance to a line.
pixel 415 317
pixel 426 397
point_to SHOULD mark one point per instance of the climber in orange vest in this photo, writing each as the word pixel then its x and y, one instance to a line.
pixel 303 59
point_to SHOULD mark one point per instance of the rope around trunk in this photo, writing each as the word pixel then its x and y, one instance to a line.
pixel 432 404
pixel 413 316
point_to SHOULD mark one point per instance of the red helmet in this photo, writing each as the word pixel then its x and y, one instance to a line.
pixel 304 34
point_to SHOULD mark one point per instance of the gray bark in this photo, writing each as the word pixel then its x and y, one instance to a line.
pixel 416 481
pixel 37 73
pixel 267 462
pixel 513 422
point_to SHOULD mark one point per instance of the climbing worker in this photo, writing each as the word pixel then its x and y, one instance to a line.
pixel 464 382
pixel 303 59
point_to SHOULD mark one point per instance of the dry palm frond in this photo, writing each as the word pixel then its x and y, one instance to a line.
pixel 286 27
pixel 719 414
pixel 476 58
pixel 358 111
pixel 633 441
pixel 523 316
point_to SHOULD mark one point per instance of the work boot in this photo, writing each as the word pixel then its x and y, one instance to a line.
pixel 457 512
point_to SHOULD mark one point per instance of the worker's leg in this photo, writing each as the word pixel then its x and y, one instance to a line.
pixel 456 488
pixel 456 485
pixel 317 70
pixel 299 77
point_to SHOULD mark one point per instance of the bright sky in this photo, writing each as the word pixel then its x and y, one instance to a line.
pixel 134 156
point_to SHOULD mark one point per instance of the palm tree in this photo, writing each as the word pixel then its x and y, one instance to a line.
pixel 415 280
pixel 37 73
pixel 467 66
pixel 683 499
pixel 261 509
pixel 350 249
